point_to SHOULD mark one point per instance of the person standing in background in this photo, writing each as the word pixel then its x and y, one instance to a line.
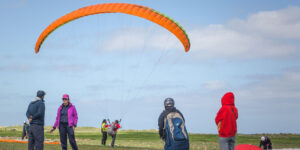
pixel 66 121
pixel 104 132
pixel 36 116
pixel 226 122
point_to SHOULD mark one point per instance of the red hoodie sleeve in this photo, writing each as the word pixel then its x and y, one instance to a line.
pixel 219 116
pixel 118 126
pixel 236 112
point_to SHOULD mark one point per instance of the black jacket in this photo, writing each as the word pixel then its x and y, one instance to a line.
pixel 161 119
pixel 36 111
pixel 267 144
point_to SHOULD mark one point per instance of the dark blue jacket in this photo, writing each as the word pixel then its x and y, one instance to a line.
pixel 36 111
pixel 161 119
pixel 165 134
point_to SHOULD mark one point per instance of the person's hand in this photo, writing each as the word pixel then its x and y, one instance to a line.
pixel 52 130
pixel 30 119
pixel 219 126
pixel 74 128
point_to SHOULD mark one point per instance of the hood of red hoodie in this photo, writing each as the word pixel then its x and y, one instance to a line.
pixel 228 99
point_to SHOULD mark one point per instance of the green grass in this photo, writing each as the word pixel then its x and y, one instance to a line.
pixel 89 138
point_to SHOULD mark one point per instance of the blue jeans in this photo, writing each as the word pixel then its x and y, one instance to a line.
pixel 227 143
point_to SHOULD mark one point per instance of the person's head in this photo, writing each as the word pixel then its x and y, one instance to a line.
pixel 169 103
pixel 66 99
pixel 41 94
pixel 228 99
pixel 24 122
pixel 262 138
pixel 104 121
pixel 117 121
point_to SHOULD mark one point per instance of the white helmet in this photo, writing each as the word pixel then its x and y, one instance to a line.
pixel 262 138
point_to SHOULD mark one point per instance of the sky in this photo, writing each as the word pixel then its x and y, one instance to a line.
pixel 120 66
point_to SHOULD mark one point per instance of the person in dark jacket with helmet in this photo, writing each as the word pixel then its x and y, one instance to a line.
pixel 266 143
pixel 36 116
pixel 163 131
pixel 226 122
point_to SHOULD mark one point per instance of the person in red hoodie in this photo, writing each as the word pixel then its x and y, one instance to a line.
pixel 226 122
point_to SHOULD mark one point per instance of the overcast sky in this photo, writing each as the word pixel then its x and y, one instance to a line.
pixel 120 66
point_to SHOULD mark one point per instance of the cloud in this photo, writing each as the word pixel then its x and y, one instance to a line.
pixel 23 67
pixel 284 87
pixel 214 85
pixel 17 3
pixel 218 41
pixel 141 38
pixel 15 67
pixel 155 87
pixel 266 34
pixel 68 68
pixel 283 23
pixel 266 101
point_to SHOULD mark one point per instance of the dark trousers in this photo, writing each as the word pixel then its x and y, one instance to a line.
pixel 36 137
pixel 267 146
pixel 113 140
pixel 64 131
pixel 104 137
pixel 24 134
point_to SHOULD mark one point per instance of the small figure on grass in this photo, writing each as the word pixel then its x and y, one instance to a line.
pixel 112 131
pixel 265 142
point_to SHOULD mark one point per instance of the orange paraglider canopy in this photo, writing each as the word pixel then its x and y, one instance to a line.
pixel 131 9
pixel 17 141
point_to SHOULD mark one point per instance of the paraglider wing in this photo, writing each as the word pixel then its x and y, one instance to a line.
pixel 247 147
pixel 131 9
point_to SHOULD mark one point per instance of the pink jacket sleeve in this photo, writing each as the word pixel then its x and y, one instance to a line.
pixel 75 117
pixel 57 118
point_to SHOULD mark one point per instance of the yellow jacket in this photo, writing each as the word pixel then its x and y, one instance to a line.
pixel 103 128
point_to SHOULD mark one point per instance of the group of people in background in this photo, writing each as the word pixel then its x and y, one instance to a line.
pixel 66 122
pixel 111 130
pixel 171 123
pixel 172 130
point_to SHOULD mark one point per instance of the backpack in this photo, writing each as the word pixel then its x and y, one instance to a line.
pixel 111 129
pixel 176 134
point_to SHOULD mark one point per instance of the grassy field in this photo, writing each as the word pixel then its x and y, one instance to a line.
pixel 89 138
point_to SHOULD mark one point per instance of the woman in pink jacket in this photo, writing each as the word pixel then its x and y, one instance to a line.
pixel 66 122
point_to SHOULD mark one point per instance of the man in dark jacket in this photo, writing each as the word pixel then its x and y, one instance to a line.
pixel 265 142
pixel 169 108
pixel 36 115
